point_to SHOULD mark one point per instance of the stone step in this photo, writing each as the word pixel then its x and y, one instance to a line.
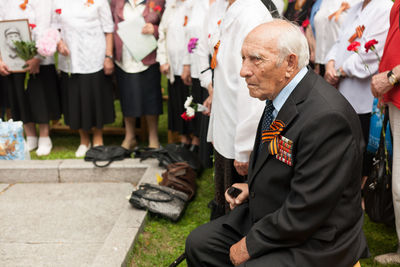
pixel 72 170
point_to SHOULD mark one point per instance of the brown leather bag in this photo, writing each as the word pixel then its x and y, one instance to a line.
pixel 180 176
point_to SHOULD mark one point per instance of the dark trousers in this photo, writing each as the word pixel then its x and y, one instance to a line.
pixel 225 176
pixel 209 244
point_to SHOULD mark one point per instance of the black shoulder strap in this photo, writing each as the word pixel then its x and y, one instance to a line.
pixel 271 8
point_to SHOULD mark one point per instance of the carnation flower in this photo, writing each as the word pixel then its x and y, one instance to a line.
pixel 305 23
pixel 190 111
pixel 353 46
pixel 370 45
pixel 188 101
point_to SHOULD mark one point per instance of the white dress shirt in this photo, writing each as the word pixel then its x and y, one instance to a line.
pixel 327 30
pixel 198 13
pixel 83 29
pixel 210 25
pixel 171 37
pixel 356 88
pixel 38 12
pixel 128 62
pixel 234 114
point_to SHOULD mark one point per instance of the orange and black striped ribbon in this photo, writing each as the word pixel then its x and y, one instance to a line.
pixel 357 34
pixel 214 57
pixel 272 134
pixel 343 7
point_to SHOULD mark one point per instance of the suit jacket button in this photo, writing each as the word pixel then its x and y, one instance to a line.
pixel 252 194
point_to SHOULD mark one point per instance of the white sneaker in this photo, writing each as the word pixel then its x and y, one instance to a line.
pixel 31 142
pixel 45 146
pixel 81 151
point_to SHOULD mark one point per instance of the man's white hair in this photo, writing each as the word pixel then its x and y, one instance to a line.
pixel 292 41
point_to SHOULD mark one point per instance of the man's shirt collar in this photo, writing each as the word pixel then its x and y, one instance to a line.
pixel 283 95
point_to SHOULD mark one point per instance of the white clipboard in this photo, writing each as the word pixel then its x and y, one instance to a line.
pixel 138 44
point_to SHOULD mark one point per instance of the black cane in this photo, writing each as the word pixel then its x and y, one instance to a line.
pixel 178 260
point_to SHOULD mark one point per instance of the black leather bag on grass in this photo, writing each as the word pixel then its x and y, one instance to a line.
pixel 171 153
pixel 106 154
pixel 160 200
pixel 377 190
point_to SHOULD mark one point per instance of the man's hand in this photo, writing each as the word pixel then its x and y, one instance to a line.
pixel 4 71
pixel 241 167
pixel 186 75
pixel 108 66
pixel 330 73
pixel 233 202
pixel 62 48
pixel 380 84
pixel 238 252
pixel 148 28
pixel 33 65
pixel 164 68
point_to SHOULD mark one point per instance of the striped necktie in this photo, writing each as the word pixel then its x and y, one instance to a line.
pixel 267 119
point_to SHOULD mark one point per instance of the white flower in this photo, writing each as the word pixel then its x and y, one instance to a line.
pixel 188 101
pixel 190 111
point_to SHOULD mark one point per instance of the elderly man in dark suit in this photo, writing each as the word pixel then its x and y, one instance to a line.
pixel 301 205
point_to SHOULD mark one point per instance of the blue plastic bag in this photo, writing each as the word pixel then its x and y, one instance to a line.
pixel 12 143
pixel 376 129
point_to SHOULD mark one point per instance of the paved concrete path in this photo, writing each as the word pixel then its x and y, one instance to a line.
pixel 87 222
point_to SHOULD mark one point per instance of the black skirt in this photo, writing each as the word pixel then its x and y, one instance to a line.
pixel 140 93
pixel 4 103
pixel 200 125
pixel 40 103
pixel 87 100
pixel 177 94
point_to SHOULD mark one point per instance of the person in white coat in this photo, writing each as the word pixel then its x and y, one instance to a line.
pixel 351 72
pixel 86 59
pixel 170 53
pixel 234 114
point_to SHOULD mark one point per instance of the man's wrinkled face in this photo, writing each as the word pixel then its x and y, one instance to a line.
pixel 260 68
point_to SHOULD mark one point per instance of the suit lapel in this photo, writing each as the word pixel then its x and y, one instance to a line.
pixel 287 114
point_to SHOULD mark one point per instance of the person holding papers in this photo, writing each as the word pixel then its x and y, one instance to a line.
pixel 85 61
pixel 138 77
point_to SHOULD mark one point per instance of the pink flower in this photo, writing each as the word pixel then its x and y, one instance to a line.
pixel 192 44
pixel 47 43
pixel 58 11
pixel 353 46
pixel 370 45
pixel 32 26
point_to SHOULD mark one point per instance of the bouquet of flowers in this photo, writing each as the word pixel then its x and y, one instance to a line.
pixel 191 109
pixel 26 50
pixel 47 44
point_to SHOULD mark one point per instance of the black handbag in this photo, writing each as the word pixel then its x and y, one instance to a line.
pixel 160 200
pixel 108 154
pixel 171 153
pixel 377 190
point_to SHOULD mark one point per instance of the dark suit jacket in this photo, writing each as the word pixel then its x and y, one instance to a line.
pixel 312 209
pixel 149 15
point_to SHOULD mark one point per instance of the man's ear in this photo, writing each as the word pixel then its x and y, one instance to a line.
pixel 292 61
